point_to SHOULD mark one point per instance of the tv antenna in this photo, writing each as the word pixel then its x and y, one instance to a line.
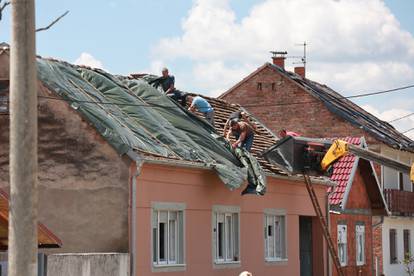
pixel 302 58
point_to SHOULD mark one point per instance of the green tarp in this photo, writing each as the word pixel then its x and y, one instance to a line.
pixel 132 115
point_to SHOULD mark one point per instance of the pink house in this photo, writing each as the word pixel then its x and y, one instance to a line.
pixel 164 175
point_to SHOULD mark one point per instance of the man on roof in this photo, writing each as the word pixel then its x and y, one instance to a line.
pixel 203 106
pixel 167 82
pixel 243 131
pixel 283 133
pixel 239 115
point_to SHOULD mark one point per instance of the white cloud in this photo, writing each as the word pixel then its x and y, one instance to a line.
pixel 353 45
pixel 89 60
pixel 391 114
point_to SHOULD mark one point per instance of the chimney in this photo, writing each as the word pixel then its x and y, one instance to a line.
pixel 279 58
pixel 300 70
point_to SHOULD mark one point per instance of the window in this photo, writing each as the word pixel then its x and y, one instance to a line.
pixel 259 86
pixel 273 86
pixel 4 96
pixel 342 244
pixel 275 237
pixel 390 178
pixel 360 244
pixel 407 243
pixel 393 246
pixel 400 181
pixel 168 234
pixel 226 234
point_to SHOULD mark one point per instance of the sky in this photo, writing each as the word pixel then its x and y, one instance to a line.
pixel 209 45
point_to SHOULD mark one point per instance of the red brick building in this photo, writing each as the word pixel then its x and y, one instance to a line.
pixel 283 99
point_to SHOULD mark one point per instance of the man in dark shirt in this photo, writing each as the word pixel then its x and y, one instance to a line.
pixel 167 83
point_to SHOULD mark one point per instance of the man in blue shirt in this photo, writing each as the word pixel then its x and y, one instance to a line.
pixel 200 104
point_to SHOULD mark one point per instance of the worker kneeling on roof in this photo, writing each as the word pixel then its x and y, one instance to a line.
pixel 203 106
pixel 243 131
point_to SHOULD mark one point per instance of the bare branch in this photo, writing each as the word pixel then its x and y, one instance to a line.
pixel 52 23
pixel 2 7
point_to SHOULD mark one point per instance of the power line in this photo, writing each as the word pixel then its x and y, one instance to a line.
pixel 408 130
pixel 361 95
pixel 381 92
pixel 402 117
pixel 251 105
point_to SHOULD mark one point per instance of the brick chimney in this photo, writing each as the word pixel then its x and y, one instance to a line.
pixel 278 58
pixel 300 70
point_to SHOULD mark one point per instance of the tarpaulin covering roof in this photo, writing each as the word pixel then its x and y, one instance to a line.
pixel 263 139
pixel 132 115
pixel 46 239
pixel 344 108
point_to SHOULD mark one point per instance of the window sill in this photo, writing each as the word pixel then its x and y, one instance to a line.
pixel 168 267
pixel 276 261
pixel 230 264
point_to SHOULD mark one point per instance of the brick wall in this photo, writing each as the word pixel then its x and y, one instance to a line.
pixel 377 247
pixel 268 96
pixel 351 268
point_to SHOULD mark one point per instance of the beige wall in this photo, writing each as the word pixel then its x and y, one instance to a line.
pixel 200 190
pixel 83 182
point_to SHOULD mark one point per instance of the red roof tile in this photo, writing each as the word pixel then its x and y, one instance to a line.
pixel 342 170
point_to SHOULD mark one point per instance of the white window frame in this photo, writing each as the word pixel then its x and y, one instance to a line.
pixel 174 216
pixel 393 262
pixel 275 248
pixel 342 244
pixel 229 232
pixel 360 244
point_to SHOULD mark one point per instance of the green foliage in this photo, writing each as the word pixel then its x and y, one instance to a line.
pixel 408 263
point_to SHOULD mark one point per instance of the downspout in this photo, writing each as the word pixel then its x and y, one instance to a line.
pixel 133 199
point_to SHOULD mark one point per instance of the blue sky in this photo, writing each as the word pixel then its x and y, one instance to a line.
pixel 195 40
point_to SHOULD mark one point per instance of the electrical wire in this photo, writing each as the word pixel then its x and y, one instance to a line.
pixel 251 105
pixel 402 117
pixel 361 95
pixel 408 130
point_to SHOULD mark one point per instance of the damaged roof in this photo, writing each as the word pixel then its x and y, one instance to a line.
pixel 344 108
pixel 132 115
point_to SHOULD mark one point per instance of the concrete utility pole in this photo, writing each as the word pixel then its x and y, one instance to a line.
pixel 23 141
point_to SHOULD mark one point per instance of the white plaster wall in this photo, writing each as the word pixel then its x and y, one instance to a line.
pixel 93 264
pixel 398 223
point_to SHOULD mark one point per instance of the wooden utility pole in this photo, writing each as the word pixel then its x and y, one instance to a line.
pixel 23 141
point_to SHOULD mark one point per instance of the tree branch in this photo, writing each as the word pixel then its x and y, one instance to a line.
pixel 2 7
pixel 52 23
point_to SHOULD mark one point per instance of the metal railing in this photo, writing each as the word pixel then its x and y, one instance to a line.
pixel 400 202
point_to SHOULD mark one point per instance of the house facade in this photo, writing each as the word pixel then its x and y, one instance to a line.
pixel 123 169
pixel 354 203
pixel 283 99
